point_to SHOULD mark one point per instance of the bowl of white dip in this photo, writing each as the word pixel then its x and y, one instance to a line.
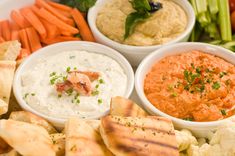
pixel 72 79
pixel 171 24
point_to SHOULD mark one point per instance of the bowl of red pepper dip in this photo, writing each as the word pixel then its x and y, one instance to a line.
pixel 191 83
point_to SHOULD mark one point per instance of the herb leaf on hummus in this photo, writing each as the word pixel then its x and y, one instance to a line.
pixel 143 8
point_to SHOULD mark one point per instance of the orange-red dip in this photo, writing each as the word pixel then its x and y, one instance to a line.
pixel 193 86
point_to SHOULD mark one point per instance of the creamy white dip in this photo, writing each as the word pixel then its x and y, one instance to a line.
pixel 41 95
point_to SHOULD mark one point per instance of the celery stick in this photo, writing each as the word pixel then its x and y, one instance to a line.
pixel 201 6
pixel 196 33
pixel 213 6
pixel 224 20
pixel 194 5
pixel 212 30
pixel 204 19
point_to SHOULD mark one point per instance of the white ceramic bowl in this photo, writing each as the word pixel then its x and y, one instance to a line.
pixel 202 129
pixel 136 53
pixel 65 46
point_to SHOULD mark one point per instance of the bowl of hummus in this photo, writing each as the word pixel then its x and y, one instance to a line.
pixel 72 79
pixel 190 83
pixel 172 21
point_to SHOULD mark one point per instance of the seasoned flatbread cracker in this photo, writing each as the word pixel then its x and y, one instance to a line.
pixel 12 152
pixel 27 139
pixel 83 140
pixel 33 119
pixel 134 136
pixel 124 107
pixel 58 140
pixel 10 50
pixel 4 147
pixel 7 69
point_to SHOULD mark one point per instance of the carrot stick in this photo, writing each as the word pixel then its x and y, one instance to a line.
pixel 60 6
pixel 66 33
pixel 52 30
pixel 34 40
pixel 6 30
pixel 64 13
pixel 23 53
pixel 15 35
pixel 59 39
pixel 19 20
pixel 1 39
pixel 1 28
pixel 82 26
pixel 43 13
pixel 14 26
pixel 45 5
pixel 24 39
pixel 34 20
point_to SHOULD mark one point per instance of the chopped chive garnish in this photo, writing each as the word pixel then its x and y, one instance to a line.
pixel 59 95
pixel 188 119
pixel 32 94
pixel 192 65
pixel 227 82
pixel 52 74
pixel 68 69
pixel 174 94
pixel 198 70
pixel 222 74
pixel 94 93
pixel 100 101
pixel 216 85
pixel 78 101
pixel 26 95
pixel 75 68
pixel 96 86
pixel 223 112
pixel 101 81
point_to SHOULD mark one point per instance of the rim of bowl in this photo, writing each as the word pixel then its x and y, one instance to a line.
pixel 120 59
pixel 183 3
pixel 147 104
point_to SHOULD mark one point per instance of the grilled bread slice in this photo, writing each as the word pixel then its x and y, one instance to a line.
pixel 124 107
pixel 33 119
pixel 7 69
pixel 134 136
pixel 27 139
pixel 83 140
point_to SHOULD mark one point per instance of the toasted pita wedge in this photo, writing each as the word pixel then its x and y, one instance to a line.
pixel 7 69
pixel 33 119
pixel 58 140
pixel 4 147
pixel 83 140
pixel 133 136
pixel 10 50
pixel 27 139
pixel 124 107
pixel 95 124
pixel 12 152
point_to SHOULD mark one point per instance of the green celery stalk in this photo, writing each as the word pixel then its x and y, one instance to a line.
pixel 212 30
pixel 204 19
pixel 224 20
pixel 196 33
pixel 213 6
pixel 201 6
pixel 194 5
pixel 229 45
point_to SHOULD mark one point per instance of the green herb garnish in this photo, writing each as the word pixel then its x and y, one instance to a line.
pixel 97 86
pixel 26 95
pixel 101 81
pixel 59 95
pixel 216 85
pixel 223 112
pixel 32 94
pixel 100 101
pixel 94 93
pixel 222 74
pixel 227 82
pixel 52 74
pixel 143 11
pixel 68 69
pixel 174 94
pixel 188 119
pixel 71 57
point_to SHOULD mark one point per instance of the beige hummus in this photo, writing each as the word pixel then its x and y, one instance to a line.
pixel 163 26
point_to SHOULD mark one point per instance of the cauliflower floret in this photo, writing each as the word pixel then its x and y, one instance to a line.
pixel 185 139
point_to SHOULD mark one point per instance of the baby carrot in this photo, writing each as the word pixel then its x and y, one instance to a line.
pixel 82 25
pixel 35 22
pixel 60 6
pixel 19 19
pixel 52 30
pixel 6 30
pixel 44 4
pixel 24 39
pixel 54 20
pixel 1 39
pixel 15 35
pixel 34 40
